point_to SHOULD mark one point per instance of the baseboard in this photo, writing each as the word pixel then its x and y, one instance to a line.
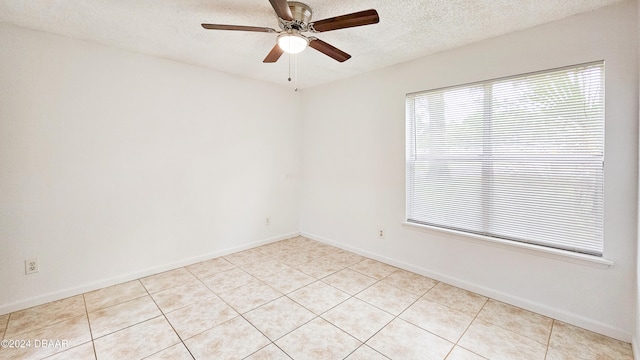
pixel 81 289
pixel 564 316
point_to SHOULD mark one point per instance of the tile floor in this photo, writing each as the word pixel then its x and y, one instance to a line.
pixel 293 299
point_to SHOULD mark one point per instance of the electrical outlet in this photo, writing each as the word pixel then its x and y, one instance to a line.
pixel 31 266
pixel 267 220
pixel 381 233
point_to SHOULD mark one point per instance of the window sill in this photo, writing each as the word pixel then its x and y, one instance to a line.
pixel 563 255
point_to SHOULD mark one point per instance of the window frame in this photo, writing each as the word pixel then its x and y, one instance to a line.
pixel 522 244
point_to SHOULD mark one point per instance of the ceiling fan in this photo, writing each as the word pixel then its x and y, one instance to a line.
pixel 294 18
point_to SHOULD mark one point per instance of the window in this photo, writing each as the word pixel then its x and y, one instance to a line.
pixel 518 158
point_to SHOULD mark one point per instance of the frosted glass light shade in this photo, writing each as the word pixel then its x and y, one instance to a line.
pixel 292 43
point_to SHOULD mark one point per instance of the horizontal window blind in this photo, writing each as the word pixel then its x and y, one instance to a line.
pixel 518 158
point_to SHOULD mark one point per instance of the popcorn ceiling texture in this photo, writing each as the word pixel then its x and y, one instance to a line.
pixel 171 29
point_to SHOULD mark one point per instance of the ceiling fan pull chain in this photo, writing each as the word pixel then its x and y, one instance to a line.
pixel 289 67
pixel 295 72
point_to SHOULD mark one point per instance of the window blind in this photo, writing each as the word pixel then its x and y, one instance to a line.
pixel 518 158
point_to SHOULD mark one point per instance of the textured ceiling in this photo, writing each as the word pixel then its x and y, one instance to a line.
pixel 171 29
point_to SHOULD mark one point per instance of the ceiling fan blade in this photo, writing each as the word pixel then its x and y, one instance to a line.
pixel 366 17
pixel 273 55
pixel 329 50
pixel 282 9
pixel 237 28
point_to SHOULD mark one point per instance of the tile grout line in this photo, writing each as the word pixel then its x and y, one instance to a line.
pixel 316 316
pixel 363 343
pixel 6 326
pixel 395 317
pixel 351 296
pixel 547 345
pixel 86 311
pixel 166 319
pixel 546 353
pixel 283 295
pixel 468 327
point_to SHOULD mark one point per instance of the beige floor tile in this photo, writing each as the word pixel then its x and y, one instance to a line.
pixel 411 282
pixel 117 317
pixel 180 296
pixel 296 241
pixel 401 340
pixel 39 316
pixel 276 249
pixel 288 280
pixel 388 298
pixel 200 316
pixel 459 353
pixel 227 280
pixel 61 336
pixel 250 296
pixel 456 298
pixel 114 295
pixel 554 354
pixel 358 318
pixel 175 352
pixel 374 269
pixel 366 353
pixel 520 321
pixel 294 258
pixel 569 339
pixel 210 267
pixel 319 268
pixel 494 342
pixel 349 281
pixel 167 280
pixel 234 339
pixel 323 251
pixel 137 341
pixel 318 339
pixel 279 317
pixel 265 268
pixel 246 257
pixel 318 297
pixel 269 352
pixel 80 352
pixel 345 258
pixel 438 319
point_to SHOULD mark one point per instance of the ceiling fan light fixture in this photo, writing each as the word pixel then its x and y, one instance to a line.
pixel 292 43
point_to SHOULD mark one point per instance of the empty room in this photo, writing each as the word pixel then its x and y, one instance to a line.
pixel 360 179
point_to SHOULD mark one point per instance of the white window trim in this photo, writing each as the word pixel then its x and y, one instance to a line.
pixel 538 250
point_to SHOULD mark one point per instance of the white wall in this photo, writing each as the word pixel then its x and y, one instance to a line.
pixel 114 165
pixel 353 171
pixel 636 333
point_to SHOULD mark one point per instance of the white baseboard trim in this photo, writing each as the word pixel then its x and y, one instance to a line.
pixel 564 316
pixel 81 289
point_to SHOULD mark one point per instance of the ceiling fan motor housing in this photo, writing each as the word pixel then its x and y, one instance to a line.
pixel 301 17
